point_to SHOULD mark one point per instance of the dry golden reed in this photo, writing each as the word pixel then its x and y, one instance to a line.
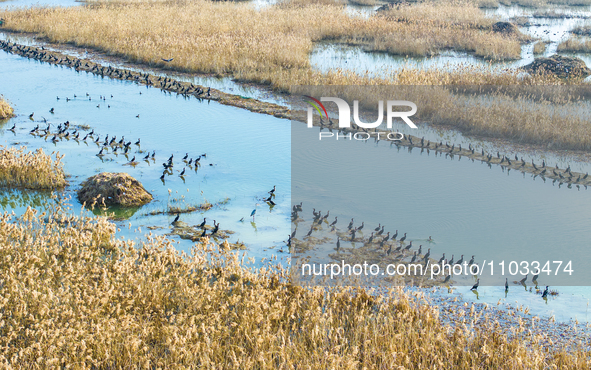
pixel 6 111
pixel 556 117
pixel 30 170
pixel 575 45
pixel 539 47
pixel 235 38
pixel 72 294
pixel 429 27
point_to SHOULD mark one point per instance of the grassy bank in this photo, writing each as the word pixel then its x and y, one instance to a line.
pixel 30 170
pixel 234 38
pixel 575 45
pixel 72 293
pixel 6 111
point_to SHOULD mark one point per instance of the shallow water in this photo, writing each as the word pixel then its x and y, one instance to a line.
pixel 353 58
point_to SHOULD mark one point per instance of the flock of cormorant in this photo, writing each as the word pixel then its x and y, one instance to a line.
pixel 562 176
pixel 379 246
pixel 110 144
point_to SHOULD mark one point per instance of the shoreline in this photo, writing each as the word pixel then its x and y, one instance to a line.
pixel 147 79
pixel 562 335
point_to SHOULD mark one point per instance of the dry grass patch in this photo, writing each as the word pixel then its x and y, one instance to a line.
pixel 554 117
pixel 6 111
pixel 460 75
pixel 230 38
pixel 73 293
pixel 575 45
pixel 582 30
pixel 429 27
pixel 539 47
pixel 30 170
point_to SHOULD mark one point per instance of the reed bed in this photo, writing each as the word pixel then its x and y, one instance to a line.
pixel 582 30
pixel 555 117
pixel 31 170
pixel 435 26
pixel 6 111
pixel 575 45
pixel 539 47
pixel 231 38
pixel 75 295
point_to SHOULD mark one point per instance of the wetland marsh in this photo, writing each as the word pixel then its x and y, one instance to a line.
pixel 249 179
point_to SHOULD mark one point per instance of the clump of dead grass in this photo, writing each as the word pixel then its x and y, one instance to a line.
pixel 113 189
pixel 30 170
pixel 6 111
pixel 539 47
pixel 575 45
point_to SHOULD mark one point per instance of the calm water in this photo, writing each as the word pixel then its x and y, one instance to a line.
pixel 467 208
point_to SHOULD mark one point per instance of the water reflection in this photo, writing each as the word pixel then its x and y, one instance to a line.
pixel 115 212
pixel 11 199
